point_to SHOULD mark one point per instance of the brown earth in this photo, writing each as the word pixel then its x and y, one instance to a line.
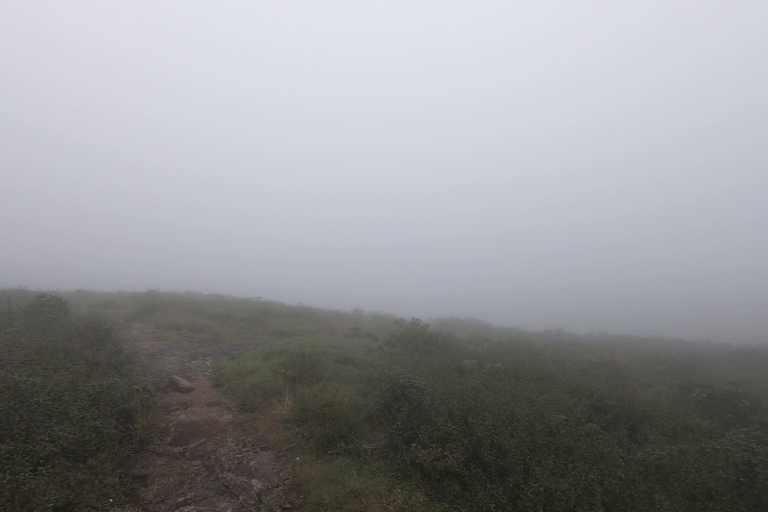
pixel 204 460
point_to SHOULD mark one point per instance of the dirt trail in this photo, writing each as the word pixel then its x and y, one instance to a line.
pixel 207 461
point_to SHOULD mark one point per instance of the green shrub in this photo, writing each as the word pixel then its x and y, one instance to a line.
pixel 46 307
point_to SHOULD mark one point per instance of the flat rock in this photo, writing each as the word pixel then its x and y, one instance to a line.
pixel 181 385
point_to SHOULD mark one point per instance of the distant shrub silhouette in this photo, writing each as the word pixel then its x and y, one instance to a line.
pixel 46 307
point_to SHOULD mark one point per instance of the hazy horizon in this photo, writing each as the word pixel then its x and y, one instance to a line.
pixel 591 167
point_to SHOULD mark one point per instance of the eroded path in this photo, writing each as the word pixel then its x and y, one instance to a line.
pixel 206 461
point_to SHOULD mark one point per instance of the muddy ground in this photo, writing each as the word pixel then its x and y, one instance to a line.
pixel 205 460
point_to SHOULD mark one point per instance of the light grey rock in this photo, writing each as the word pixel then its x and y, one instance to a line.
pixel 181 385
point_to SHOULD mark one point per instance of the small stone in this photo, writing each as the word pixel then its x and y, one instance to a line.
pixel 286 507
pixel 181 385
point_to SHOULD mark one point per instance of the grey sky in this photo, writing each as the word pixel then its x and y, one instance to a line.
pixel 585 165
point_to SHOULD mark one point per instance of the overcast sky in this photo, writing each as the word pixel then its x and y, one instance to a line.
pixel 595 166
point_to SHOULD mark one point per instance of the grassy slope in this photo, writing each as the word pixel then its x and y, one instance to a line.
pixel 431 421
pixel 388 415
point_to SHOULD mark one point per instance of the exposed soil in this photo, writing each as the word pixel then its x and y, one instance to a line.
pixel 206 461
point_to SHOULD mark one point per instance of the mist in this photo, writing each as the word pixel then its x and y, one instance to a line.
pixel 589 166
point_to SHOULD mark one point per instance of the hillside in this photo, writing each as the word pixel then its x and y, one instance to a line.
pixel 381 413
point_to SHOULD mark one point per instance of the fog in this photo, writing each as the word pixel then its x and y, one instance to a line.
pixel 579 165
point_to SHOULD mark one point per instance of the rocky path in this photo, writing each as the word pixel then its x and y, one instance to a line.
pixel 206 461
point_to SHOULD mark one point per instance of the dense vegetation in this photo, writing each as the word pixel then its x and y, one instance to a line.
pixel 70 409
pixel 530 422
pixel 386 414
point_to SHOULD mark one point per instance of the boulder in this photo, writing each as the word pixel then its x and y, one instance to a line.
pixel 181 385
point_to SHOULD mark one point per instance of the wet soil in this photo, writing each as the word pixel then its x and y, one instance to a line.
pixel 205 460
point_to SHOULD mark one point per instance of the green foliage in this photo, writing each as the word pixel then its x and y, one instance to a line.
pixel 416 337
pixel 69 409
pixel 389 415
pixel 402 404
pixel 526 422
pixel 46 307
